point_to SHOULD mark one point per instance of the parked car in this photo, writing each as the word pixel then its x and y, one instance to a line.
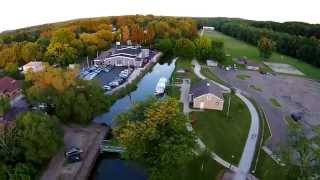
pixel 73 151
pixel 114 84
pixel 106 87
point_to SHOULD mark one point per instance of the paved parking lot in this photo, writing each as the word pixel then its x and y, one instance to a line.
pixel 294 94
pixel 106 77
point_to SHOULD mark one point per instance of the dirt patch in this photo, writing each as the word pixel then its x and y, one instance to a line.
pixel 284 68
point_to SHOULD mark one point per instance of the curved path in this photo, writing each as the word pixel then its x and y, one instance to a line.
pixel 249 150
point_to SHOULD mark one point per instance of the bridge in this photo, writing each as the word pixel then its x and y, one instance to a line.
pixel 106 146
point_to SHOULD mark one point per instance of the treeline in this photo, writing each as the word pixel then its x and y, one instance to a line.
pixel 293 28
pixel 68 42
pixel 303 48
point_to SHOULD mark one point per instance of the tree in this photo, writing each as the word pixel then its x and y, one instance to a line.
pixel 40 135
pixel 185 48
pixel 203 48
pixel 165 46
pixel 125 34
pixel 301 151
pixel 4 105
pixel 57 78
pixel 217 51
pixel 149 37
pixel 137 34
pixel 30 52
pixel 156 136
pixel 266 46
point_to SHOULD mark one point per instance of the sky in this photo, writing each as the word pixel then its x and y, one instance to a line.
pixel 22 13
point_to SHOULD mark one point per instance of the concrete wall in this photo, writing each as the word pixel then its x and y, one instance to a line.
pixel 208 101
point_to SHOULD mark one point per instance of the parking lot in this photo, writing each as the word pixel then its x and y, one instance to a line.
pixel 107 77
pixel 294 94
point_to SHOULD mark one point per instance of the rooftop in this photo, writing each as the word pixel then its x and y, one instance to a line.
pixel 8 84
pixel 205 87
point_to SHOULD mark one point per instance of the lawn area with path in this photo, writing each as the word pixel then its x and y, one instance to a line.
pixel 238 48
pixel 224 135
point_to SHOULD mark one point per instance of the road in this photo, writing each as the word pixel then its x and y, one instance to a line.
pixel 250 146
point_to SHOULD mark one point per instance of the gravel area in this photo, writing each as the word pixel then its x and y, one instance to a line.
pixel 294 94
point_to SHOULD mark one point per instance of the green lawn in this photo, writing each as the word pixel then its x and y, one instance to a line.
pixel 268 169
pixel 186 65
pixel 225 136
pixel 203 167
pixel 275 103
pixel 209 74
pixel 238 48
pixel 255 88
pixel 243 76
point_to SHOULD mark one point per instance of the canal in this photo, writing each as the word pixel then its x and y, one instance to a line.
pixel 110 166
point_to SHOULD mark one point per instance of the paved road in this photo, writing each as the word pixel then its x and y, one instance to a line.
pixel 250 146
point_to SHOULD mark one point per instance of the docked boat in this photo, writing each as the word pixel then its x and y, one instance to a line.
pixel 161 86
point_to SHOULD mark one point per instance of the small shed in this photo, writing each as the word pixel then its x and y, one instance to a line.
pixel 212 63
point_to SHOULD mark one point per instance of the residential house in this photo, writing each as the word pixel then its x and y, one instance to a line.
pixel 123 56
pixel 206 95
pixel 34 66
pixel 10 87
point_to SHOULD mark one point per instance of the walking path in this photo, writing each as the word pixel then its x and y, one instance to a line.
pixel 185 87
pixel 250 146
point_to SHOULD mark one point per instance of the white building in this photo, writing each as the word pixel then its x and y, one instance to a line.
pixel 34 66
pixel 123 56
pixel 208 28
pixel 212 63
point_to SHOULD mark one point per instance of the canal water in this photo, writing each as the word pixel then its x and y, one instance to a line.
pixel 145 89
pixel 110 166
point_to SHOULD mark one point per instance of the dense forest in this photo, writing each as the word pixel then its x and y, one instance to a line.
pixel 301 43
pixel 67 42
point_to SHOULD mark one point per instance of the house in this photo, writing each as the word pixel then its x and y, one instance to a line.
pixel 34 66
pixel 123 56
pixel 208 28
pixel 212 63
pixel 206 95
pixel 10 87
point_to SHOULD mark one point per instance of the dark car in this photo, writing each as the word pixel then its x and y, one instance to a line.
pixel 74 158
pixel 296 116
pixel 73 151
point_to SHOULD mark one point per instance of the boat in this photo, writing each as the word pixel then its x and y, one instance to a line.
pixel 161 86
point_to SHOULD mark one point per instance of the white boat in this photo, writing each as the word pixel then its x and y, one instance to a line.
pixel 161 86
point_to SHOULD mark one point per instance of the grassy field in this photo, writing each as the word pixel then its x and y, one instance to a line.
pixel 243 76
pixel 275 103
pixel 209 74
pixel 224 135
pixel 254 87
pixel 236 48
pixel 202 167
pixel 184 64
